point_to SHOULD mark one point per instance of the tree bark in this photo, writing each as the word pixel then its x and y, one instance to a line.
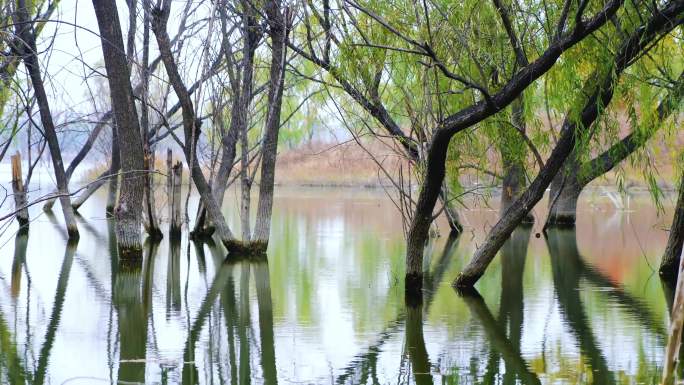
pixel 29 51
pixel 115 168
pixel 660 23
pixel 128 211
pixel 669 265
pixel 19 192
pixel 278 31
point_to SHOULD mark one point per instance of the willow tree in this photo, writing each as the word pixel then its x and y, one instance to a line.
pixel 648 110
pixel 457 42
pixel 578 124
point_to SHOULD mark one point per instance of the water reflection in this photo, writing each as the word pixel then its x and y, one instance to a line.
pixel 327 306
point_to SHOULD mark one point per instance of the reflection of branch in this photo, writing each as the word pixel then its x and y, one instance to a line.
pixel 360 361
pixel 495 334
pixel 56 314
pixel 53 195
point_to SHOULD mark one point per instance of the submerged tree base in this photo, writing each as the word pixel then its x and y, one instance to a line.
pixel 202 233
pixel 561 220
pixel 413 287
pixel 249 249
pixel 130 255
pixel 466 281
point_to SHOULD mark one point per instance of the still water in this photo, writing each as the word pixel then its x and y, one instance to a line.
pixel 327 307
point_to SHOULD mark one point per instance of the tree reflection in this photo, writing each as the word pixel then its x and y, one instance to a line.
pixel 132 302
pixel 509 351
pixel 567 269
pixel 505 333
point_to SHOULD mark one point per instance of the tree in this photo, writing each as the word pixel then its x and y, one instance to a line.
pixel 28 51
pixel 597 94
pixel 128 211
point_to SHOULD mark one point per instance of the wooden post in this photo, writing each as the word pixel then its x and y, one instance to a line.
pixel 169 181
pixel 19 192
pixel 176 202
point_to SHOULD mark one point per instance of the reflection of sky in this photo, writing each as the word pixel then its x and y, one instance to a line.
pixel 331 243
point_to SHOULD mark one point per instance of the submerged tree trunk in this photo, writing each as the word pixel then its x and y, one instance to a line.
pixel 278 31
pixel 669 265
pixel 128 211
pixel 29 51
pixel 600 97
pixel 19 192
pixel 564 194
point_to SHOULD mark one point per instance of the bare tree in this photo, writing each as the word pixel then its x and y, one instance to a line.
pixel 128 211
pixel 28 50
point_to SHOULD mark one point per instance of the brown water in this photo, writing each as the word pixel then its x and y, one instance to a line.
pixel 328 304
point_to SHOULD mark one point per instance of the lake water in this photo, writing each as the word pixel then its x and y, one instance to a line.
pixel 327 307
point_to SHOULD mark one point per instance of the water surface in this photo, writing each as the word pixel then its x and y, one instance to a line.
pixel 327 305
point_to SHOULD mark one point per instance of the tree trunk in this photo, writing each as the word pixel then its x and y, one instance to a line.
pixel 91 189
pixel 420 225
pixel 563 212
pixel 115 167
pixel 450 212
pixel 245 187
pixel 19 192
pixel 278 31
pixel 670 262
pixel 564 194
pixel 176 220
pixel 29 51
pixel 150 217
pixel 129 209
pixel 661 22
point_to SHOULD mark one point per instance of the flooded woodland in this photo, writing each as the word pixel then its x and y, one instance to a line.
pixel 327 304
pixel 341 192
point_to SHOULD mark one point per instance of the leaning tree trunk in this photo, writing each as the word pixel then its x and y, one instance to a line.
pixel 29 51
pixel 243 96
pixel 673 251
pixel 191 127
pixel 278 31
pixel 660 23
pixel 128 211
